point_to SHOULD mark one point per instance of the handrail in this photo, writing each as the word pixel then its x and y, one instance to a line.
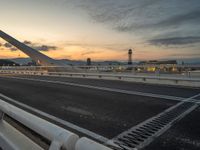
pixel 58 137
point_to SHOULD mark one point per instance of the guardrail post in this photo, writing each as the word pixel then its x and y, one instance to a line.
pixel 1 115
pixel 189 75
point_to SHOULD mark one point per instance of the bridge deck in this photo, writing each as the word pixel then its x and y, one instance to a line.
pixel 103 112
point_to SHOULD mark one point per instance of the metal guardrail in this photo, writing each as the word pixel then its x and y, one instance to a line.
pixel 182 81
pixel 188 71
pixel 111 66
pixel 13 139
pixel 99 75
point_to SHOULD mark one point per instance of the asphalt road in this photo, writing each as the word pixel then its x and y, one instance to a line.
pixel 147 88
pixel 103 112
pixel 185 135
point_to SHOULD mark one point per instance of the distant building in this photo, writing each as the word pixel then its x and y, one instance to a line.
pixel 130 57
pixel 89 61
pixel 159 66
pixel 6 62
pixel 156 62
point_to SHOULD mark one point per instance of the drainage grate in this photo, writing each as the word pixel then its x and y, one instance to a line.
pixel 141 135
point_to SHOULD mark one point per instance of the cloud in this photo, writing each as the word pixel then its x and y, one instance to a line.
pixel 40 47
pixel 118 13
pixel 192 18
pixel 27 42
pixel 128 15
pixel 36 46
pixel 45 48
pixel 7 45
pixel 189 17
pixel 175 41
pixel 146 19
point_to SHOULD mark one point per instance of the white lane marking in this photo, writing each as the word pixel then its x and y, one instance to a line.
pixel 58 120
pixel 105 89
pixel 191 98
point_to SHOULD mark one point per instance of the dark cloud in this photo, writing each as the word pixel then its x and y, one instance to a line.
pixel 189 17
pixel 40 47
pixel 146 17
pixel 13 49
pixel 175 41
pixel 36 46
pixel 45 48
pixel 27 42
pixel 115 10
pixel 8 45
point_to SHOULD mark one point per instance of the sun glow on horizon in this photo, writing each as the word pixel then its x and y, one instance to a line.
pixel 101 31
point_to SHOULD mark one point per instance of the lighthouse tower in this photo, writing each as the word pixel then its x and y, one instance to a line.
pixel 130 52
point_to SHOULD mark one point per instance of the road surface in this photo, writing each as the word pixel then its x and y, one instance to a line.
pixel 100 106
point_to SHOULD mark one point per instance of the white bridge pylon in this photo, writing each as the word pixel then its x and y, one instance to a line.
pixel 35 55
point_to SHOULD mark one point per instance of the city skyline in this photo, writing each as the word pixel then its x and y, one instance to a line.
pixel 103 30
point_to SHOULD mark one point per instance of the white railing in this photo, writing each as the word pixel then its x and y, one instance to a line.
pixel 13 139
pixel 106 69
pixel 168 80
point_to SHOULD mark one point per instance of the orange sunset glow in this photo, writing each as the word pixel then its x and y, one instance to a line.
pixel 77 33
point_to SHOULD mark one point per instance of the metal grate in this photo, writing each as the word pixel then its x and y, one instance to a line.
pixel 141 135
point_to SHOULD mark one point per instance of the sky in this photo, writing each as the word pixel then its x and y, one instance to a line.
pixel 103 29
